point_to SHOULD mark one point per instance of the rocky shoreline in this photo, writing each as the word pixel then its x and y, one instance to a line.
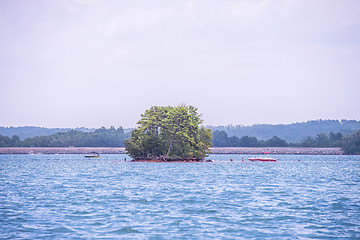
pixel 224 150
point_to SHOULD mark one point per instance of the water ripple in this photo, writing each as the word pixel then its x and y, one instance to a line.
pixel 67 196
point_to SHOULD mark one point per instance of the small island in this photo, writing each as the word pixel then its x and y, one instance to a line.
pixel 169 134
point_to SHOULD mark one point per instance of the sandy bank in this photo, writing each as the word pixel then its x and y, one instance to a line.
pixel 225 150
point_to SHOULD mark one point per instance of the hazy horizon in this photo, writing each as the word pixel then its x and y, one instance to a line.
pixel 95 63
pixel 233 125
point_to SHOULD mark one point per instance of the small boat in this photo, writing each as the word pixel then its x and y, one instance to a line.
pixel 263 159
pixel 93 155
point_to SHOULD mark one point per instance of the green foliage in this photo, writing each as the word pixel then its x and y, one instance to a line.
pixel 221 139
pixel 101 137
pixel 292 133
pixel 308 142
pixel 351 143
pixel 30 132
pixel 169 132
pixel 322 140
pixel 247 141
pixel 5 141
pixel 276 142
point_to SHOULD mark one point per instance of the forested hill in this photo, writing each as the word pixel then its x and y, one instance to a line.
pixel 293 133
pixel 29 131
pixel 101 137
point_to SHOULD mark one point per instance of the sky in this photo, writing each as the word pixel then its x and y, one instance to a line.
pixel 93 63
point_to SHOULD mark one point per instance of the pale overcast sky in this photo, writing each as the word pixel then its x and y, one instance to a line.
pixel 72 63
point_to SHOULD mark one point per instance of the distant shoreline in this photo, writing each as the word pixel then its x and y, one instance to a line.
pixel 217 150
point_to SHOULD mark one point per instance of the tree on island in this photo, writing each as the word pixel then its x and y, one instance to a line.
pixel 169 133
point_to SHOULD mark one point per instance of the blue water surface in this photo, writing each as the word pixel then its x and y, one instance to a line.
pixel 71 197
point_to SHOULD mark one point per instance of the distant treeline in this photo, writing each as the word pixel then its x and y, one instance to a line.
pixel 292 133
pixel 101 137
pixel 349 143
pixel 30 131
pixel 113 137
pixel 221 139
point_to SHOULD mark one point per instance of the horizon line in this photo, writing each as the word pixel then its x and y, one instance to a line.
pixel 208 125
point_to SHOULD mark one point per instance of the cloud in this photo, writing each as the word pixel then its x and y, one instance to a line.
pixel 129 55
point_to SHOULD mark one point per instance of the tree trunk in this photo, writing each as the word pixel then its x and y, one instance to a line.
pixel 177 146
pixel 171 143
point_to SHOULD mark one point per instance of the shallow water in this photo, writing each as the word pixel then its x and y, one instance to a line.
pixel 68 196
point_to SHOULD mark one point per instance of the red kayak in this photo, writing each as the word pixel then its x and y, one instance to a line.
pixel 262 159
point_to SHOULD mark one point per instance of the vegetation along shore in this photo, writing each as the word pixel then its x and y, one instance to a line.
pixel 215 150
pixel 178 132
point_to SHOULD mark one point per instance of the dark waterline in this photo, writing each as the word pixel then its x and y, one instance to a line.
pixel 68 196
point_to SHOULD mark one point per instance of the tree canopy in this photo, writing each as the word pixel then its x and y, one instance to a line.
pixel 101 137
pixel 351 143
pixel 292 133
pixel 169 132
pixel 221 139
pixel 322 140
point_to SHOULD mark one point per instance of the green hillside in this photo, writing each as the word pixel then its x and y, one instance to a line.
pixel 292 133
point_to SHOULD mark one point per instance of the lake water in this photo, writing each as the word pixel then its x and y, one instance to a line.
pixel 68 196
